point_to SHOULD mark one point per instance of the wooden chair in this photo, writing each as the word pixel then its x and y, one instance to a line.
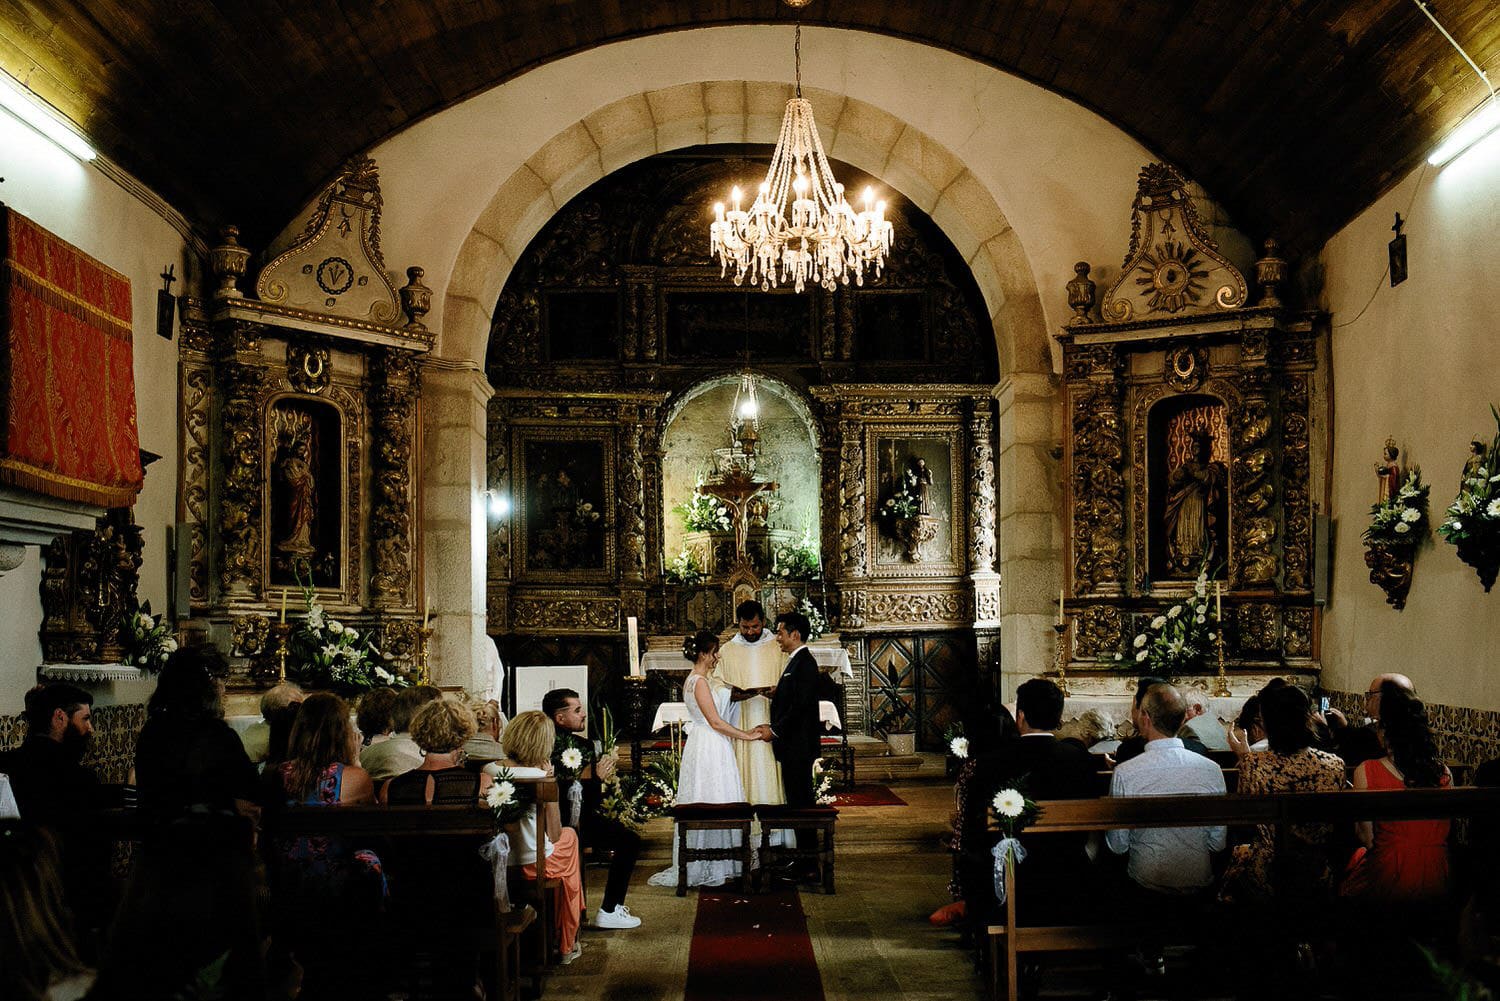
pixel 819 819
pixel 713 817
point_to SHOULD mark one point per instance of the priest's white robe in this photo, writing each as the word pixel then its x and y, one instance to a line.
pixel 755 665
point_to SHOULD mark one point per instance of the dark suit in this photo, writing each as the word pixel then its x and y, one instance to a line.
pixel 1042 767
pixel 794 725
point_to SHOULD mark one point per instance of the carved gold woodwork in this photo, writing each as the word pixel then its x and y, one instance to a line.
pixel 1099 632
pixel 565 612
pixel 89 580
pixel 922 608
pixel 394 386
pixel 241 381
pixel 248 634
pixel 1097 479
pixel 307 367
pixel 852 503
pixel 1173 266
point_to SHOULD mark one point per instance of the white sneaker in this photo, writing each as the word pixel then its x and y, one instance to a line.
pixel 620 917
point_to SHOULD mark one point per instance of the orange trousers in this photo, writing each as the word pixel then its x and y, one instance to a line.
pixel 565 864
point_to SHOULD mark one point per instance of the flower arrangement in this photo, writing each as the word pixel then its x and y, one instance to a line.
pixel 623 799
pixel 1181 639
pixel 658 790
pixel 504 798
pixel 148 639
pixel 822 784
pixel 817 622
pixel 704 513
pixel 1473 521
pixel 1013 810
pixel 332 655
pixel 1401 520
pixel 584 515
pixel 904 501
pixel 797 560
pixel 684 568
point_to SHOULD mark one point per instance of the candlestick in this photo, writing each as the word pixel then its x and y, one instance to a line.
pixel 1060 657
pixel 282 632
pixel 635 645
pixel 423 635
pixel 1221 684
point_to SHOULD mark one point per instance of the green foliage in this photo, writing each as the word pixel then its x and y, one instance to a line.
pixel 1401 520
pixel 684 568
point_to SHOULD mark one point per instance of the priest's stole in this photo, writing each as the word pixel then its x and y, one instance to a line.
pixel 758 666
pixel 67 381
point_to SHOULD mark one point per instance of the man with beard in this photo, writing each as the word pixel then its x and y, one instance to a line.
pixel 51 784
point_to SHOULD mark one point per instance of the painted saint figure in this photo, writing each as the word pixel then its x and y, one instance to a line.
pixel 1194 490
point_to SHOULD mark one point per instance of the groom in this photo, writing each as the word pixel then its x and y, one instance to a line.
pixel 793 730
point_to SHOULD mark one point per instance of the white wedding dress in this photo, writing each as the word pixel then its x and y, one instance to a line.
pixel 709 774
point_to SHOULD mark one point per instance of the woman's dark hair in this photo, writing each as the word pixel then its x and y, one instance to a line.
pixel 698 644
pixel 1286 714
pixel 321 736
pixel 1403 719
pixel 375 712
pixel 36 942
pixel 1249 714
pixel 186 689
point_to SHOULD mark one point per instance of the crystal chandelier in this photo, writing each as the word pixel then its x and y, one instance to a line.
pixel 800 229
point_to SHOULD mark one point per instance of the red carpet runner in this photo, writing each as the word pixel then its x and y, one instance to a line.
pixel 868 795
pixel 751 948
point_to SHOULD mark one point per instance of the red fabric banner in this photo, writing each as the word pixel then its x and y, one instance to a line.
pixel 67 381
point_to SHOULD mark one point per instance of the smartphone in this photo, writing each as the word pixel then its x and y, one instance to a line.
pixel 1323 704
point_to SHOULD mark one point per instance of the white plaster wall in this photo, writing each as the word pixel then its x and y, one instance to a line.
pixel 1422 365
pixel 1062 176
pixel 83 206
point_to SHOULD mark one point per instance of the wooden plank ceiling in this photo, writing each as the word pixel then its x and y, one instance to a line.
pixel 1295 114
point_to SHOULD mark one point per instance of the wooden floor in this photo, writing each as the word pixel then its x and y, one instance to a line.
pixel 871 939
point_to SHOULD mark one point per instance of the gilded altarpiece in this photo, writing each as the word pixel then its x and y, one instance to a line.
pixel 614 316
pixel 298 436
pixel 1191 444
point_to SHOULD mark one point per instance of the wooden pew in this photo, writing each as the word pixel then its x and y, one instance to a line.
pixel 1007 941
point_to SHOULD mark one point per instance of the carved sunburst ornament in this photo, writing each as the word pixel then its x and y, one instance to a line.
pixel 1172 276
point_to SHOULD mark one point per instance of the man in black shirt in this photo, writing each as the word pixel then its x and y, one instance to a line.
pixel 51 785
pixel 565 709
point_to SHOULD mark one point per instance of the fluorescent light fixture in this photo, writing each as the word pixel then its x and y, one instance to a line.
pixel 26 107
pixel 1480 124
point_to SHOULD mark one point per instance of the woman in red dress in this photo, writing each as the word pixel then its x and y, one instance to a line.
pixel 1402 860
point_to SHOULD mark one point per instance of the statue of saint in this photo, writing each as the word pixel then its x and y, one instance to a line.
pixel 1478 459
pixel 1194 490
pixel 294 467
pixel 923 485
pixel 1388 473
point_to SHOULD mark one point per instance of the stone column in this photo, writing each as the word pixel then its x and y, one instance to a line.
pixel 453 544
pixel 1029 536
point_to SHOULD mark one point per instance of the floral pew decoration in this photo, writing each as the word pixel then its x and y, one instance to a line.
pixel 1013 811
pixel 509 805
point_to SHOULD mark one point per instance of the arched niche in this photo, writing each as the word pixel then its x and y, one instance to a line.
pixel 697 422
pixel 1188 501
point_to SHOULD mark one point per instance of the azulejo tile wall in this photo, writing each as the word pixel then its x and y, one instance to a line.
pixel 113 749
pixel 1470 736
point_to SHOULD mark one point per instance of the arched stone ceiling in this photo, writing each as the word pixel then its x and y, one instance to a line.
pixel 1295 113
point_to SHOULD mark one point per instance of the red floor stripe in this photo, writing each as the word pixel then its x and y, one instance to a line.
pixel 751 948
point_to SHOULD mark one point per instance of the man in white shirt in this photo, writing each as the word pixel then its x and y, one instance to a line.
pixel 1171 860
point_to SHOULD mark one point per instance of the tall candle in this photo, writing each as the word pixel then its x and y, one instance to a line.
pixel 1061 618
pixel 283 606
pixel 635 646
pixel 1218 601
pixel 426 612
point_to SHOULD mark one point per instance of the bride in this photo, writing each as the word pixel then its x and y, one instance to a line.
pixel 709 773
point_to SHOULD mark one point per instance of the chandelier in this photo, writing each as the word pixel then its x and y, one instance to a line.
pixel 800 229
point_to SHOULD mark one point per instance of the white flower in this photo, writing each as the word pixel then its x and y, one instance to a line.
pixel 1141 656
pixel 1174 611
pixel 1495 478
pixel 147 622
pixel 169 645
pixel 330 650
pixel 384 675
pixel 1202 609
pixel 350 633
pixel 572 759
pixel 818 766
pixel 1212 636
pixel 1402 528
pixel 959 746
pixel 1009 803
pixel 1482 472
pixel 335 626
pixel 1140 640
pixel 1411 514
pixel 1175 646
pixel 1200 619
pixel 1200 587
pixel 1158 622
pixel 315 617
pixel 1119 656
pixel 1494 509
pixel 500 794
pixel 1455 525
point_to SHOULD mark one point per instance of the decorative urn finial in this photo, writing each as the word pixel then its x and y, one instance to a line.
pixel 1270 271
pixel 416 299
pixel 228 261
pixel 1081 292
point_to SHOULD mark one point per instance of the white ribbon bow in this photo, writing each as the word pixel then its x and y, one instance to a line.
pixel 497 853
pixel 1012 848
pixel 575 803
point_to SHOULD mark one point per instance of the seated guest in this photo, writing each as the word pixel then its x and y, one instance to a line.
pixel 439 729
pixel 1249 731
pixel 1357 744
pixel 187 756
pixel 50 783
pixel 1403 860
pixel 594 829
pixel 1042 767
pixel 37 950
pixel 1089 728
pixel 1202 725
pixel 399 754
pixel 485 746
pixel 1292 764
pixel 1170 860
pixel 257 736
pixel 529 739
pixel 374 715
pixel 1131 746
pixel 320 770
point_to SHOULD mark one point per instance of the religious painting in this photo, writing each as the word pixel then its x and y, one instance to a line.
pixel 916 527
pixel 565 508
pixel 718 325
pixel 305 486
pixel 1188 471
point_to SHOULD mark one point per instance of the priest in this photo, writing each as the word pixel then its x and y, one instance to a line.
pixel 752 662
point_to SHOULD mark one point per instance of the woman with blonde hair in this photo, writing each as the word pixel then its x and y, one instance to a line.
pixel 528 741
pixel 440 729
